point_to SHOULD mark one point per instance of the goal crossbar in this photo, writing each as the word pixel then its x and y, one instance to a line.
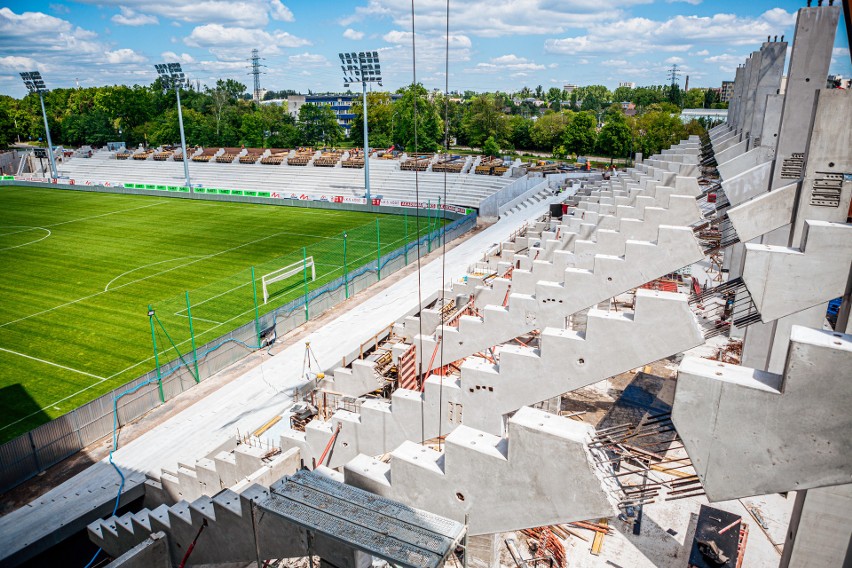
pixel 287 272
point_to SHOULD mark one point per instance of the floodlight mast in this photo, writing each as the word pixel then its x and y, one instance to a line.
pixel 363 67
pixel 171 75
pixel 35 84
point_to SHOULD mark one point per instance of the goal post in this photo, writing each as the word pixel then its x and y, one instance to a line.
pixel 285 273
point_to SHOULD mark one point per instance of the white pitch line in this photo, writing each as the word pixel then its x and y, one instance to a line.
pixel 106 288
pixel 200 259
pixel 52 364
pixel 25 231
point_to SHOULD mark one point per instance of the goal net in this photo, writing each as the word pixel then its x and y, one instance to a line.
pixel 286 272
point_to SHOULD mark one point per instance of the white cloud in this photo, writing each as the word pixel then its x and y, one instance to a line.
pixel 507 63
pixel 615 63
pixel 217 35
pixel 238 13
pixel 701 53
pixel 674 60
pixel 352 34
pixel 124 55
pixel 17 63
pixel 481 18
pixel 840 52
pixel 680 33
pixel 128 17
pixel 309 60
pixel 280 12
pixel 779 17
pixel 727 59
pixel 693 2
pixel 64 52
pixel 172 57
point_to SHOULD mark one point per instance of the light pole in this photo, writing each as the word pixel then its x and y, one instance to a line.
pixel 171 75
pixel 35 84
pixel 362 67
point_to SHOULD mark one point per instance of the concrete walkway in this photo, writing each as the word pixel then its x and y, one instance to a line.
pixel 244 404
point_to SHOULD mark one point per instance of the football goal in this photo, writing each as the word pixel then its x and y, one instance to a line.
pixel 286 272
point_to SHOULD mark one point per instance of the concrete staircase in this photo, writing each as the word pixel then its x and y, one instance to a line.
pixel 242 526
pixel 662 325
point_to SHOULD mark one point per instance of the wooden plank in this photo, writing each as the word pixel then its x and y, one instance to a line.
pixel 597 543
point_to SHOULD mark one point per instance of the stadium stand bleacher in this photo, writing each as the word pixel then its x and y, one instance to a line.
pixel 302 157
pixel 417 164
pixel 276 157
pixel 387 178
pixel 354 160
pixel 487 166
pixel 228 156
pixel 328 159
pixel 252 155
pixel 450 163
pixel 206 155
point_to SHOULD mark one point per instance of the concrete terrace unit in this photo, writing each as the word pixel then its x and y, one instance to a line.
pixel 451 406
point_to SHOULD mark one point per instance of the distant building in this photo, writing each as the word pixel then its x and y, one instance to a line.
pixel 628 108
pixel 628 84
pixel 341 105
pixel 713 114
pixel 569 88
pixel 726 92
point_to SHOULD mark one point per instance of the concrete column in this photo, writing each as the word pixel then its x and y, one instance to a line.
pixel 754 64
pixel 826 189
pixel 809 61
pixel 820 533
pixel 734 103
pixel 768 74
pixel 808 70
pixel 772 121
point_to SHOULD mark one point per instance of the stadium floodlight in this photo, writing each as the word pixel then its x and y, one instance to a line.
pixel 35 84
pixel 362 67
pixel 172 76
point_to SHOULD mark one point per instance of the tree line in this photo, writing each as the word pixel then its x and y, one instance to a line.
pixel 590 120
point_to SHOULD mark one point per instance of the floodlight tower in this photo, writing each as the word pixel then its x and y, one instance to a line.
pixel 35 84
pixel 362 67
pixel 171 75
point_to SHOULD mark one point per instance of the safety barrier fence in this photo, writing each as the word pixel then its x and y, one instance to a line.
pixel 182 364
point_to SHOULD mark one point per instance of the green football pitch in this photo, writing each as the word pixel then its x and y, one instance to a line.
pixel 79 270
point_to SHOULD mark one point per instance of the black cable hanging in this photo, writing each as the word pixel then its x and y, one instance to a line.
pixel 419 346
pixel 442 233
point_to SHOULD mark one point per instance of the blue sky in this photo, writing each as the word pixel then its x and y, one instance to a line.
pixel 494 44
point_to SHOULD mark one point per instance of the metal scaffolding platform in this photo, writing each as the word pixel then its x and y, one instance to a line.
pixel 387 529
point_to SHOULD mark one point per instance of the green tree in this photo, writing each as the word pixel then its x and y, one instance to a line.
pixel 549 129
pixel 7 120
pixel 593 97
pixel 380 119
pixel 580 135
pixel 318 125
pixel 646 96
pixel 484 118
pixel 614 138
pixel 430 126
pixel 490 147
pixel 694 98
pixel 622 94
pixel 520 132
pixel 658 129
